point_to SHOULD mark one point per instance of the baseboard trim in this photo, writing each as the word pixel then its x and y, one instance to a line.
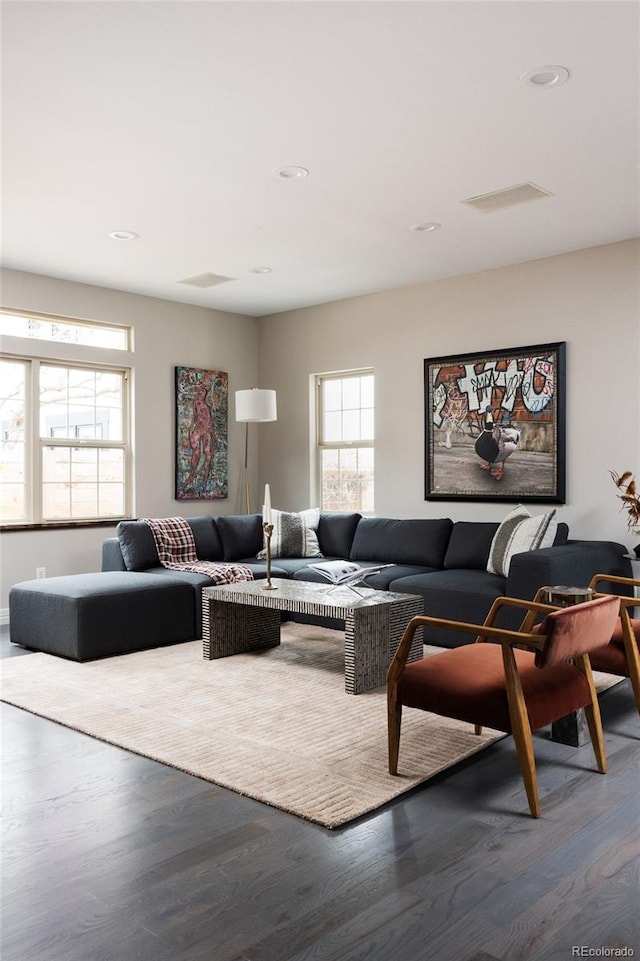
pixel 4 615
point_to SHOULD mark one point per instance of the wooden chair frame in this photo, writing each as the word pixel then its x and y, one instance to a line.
pixel 627 603
pixel 632 655
pixel 520 725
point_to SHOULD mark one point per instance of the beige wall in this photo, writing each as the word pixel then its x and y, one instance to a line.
pixel 590 299
pixel 166 334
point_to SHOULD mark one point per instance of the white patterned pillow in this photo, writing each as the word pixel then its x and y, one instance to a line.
pixel 520 532
pixel 294 535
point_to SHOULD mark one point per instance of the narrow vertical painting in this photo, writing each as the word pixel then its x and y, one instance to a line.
pixel 202 408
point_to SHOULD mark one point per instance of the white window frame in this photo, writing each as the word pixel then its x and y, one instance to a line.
pixel 321 443
pixel 35 353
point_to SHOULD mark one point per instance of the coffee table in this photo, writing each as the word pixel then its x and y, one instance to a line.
pixel 246 617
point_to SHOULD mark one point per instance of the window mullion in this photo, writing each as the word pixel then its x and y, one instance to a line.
pixel 34 453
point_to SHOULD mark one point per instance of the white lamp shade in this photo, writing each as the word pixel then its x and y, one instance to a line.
pixel 256 405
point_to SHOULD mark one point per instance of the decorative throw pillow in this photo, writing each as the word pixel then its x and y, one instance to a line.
pixel 294 535
pixel 520 532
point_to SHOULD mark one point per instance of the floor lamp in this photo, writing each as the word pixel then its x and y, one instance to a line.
pixel 253 406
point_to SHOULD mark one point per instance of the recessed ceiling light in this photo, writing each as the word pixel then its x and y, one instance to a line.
pixel 427 226
pixel 260 270
pixel 548 76
pixel 292 173
pixel 123 235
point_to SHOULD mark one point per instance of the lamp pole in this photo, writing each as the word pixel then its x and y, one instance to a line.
pixel 253 406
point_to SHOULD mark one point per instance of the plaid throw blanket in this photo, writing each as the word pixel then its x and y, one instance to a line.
pixel 176 548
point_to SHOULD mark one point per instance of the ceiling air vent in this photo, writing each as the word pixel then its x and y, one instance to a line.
pixel 508 197
pixel 206 280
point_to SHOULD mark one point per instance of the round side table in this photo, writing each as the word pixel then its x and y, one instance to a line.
pixel 571 729
pixel 635 570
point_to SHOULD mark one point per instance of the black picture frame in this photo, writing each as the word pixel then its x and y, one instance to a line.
pixel 495 425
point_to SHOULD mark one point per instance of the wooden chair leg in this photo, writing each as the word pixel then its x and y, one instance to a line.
pixel 592 715
pixel 632 656
pixel 394 722
pixel 634 676
pixel 524 747
pixel 521 730
pixel 594 723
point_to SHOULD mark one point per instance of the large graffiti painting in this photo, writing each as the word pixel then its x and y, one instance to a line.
pixel 202 467
pixel 494 425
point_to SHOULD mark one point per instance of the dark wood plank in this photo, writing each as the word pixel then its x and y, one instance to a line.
pixel 112 857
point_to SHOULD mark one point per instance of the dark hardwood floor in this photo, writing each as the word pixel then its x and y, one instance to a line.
pixel 112 857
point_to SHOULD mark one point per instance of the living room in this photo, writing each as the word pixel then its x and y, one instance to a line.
pixel 564 267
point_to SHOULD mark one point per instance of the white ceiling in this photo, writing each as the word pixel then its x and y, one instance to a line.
pixel 171 119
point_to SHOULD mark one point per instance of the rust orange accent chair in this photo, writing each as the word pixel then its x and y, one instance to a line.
pixel 621 656
pixel 502 686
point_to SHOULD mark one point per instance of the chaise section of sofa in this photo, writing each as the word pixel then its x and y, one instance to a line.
pixel 85 616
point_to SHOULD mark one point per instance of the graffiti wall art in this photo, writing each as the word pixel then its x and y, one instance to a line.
pixel 495 425
pixel 202 407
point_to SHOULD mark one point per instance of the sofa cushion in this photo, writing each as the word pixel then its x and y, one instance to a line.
pixel 207 538
pixel 294 534
pixel 519 532
pixel 241 535
pixel 137 545
pixel 336 532
pixel 562 534
pixel 420 541
pixel 139 549
pixel 469 545
pixel 460 595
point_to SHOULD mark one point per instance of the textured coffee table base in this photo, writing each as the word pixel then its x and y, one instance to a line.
pixel 244 617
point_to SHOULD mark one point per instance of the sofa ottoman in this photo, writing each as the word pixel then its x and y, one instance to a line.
pixel 84 616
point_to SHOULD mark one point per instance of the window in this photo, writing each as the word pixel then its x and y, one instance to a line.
pixel 345 440
pixel 64 441
pixel 64 331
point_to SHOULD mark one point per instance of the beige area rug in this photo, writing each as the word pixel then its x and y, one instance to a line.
pixel 274 725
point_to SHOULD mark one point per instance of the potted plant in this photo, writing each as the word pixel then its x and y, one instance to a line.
pixel 630 498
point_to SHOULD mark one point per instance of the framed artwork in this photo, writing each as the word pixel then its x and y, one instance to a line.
pixel 495 425
pixel 202 407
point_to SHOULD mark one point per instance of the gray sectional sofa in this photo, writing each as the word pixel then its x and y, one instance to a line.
pixel 135 603
pixel 443 561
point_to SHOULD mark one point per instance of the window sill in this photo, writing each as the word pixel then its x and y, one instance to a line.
pixel 61 525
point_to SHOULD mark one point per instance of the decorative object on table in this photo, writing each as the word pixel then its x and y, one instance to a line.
pixel 202 465
pixel 253 406
pixel 495 425
pixel 267 527
pixel 626 484
pixel 346 573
